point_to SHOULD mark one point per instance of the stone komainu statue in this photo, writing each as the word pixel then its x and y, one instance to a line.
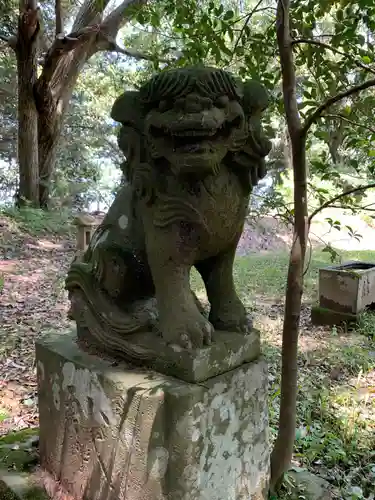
pixel 194 149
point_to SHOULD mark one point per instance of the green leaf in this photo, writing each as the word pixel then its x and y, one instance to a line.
pixel 226 50
pixel 228 15
pixel 307 103
pixel 366 59
pixel 141 18
pixel 361 39
pixel 220 10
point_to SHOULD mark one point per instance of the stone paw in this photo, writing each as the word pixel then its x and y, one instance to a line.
pixel 188 330
pixel 231 317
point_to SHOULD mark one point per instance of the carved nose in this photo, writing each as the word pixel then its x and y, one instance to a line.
pixel 193 103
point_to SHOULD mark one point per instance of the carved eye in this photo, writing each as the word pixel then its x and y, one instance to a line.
pixel 222 101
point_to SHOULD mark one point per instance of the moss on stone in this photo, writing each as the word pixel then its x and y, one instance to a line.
pixel 19 436
pixel 20 486
pixel 324 316
pixel 35 493
pixel 15 453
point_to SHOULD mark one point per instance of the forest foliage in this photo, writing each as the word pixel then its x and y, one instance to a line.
pixel 333 49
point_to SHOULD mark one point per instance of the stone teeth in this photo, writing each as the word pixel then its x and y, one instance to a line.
pixel 191 132
pixel 194 133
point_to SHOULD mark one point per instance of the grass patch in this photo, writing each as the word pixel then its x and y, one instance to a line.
pixel 19 436
pixel 264 275
pixel 3 415
pixel 38 222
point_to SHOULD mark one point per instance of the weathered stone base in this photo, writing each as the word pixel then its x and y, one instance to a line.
pixel 227 351
pixel 322 316
pixel 119 433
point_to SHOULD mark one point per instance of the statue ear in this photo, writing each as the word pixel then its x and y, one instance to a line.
pixel 118 111
pixel 127 107
pixel 256 97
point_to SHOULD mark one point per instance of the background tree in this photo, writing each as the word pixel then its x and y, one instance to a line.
pixel 87 148
pixel 43 99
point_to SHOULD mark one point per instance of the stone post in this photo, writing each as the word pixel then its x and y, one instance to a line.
pixel 86 225
pixel 111 431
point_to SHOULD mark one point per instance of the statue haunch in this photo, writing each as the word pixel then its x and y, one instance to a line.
pixel 194 148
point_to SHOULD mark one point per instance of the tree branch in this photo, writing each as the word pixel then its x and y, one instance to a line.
pixel 112 23
pixel 90 12
pixel 353 209
pixel 248 18
pixel 59 26
pixel 66 43
pixel 335 51
pixel 310 120
pixel 62 44
pixel 328 203
pixel 352 122
pixel 112 46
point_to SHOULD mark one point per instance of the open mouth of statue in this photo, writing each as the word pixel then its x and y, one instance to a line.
pixel 194 140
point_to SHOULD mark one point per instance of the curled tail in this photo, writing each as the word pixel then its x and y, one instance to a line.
pixel 104 322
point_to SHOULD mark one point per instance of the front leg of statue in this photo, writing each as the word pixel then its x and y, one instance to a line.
pixel 227 310
pixel 170 258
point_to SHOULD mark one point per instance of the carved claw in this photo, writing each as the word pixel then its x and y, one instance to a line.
pixel 190 330
pixel 232 317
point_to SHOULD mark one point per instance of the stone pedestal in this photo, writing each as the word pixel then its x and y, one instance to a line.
pixel 111 431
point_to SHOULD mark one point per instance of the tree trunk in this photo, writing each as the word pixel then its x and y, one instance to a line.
pixel 44 101
pixel 52 96
pixel 26 53
pixel 49 126
pixel 283 450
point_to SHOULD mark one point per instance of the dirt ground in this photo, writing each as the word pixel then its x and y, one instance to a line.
pixel 32 300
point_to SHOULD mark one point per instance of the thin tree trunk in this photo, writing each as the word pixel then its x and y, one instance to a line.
pixel 26 53
pixel 283 449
